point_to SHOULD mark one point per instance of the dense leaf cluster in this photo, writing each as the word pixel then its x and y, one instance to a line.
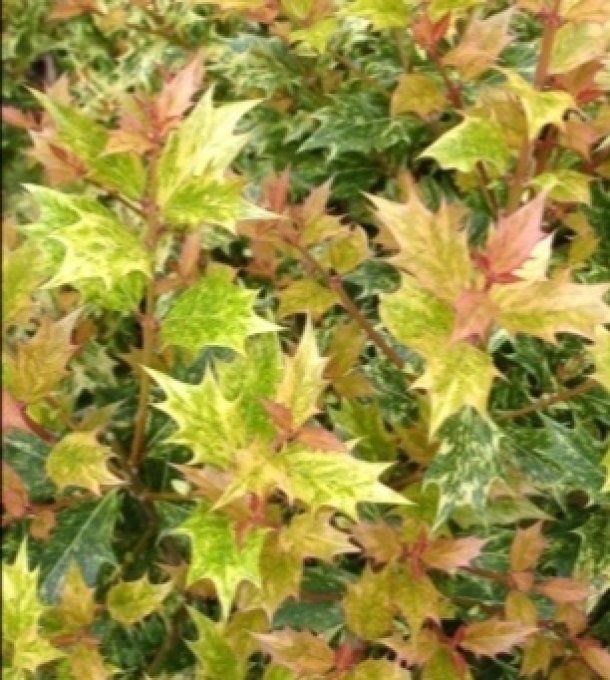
pixel 305 339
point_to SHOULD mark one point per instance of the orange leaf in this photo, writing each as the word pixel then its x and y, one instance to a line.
pixel 527 547
pixel 563 590
pixel 448 554
pixel 494 637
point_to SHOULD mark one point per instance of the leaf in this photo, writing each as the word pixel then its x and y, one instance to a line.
pixel 577 43
pixel 418 93
pixel 378 669
pixel 215 658
pixel 438 8
pixel 251 378
pixel 99 254
pixel 317 35
pixel 14 494
pixel 544 308
pixel 213 312
pixel 493 636
pixel 466 463
pixel 416 598
pixel 481 44
pixel 80 460
pixel 302 382
pixel 558 458
pixel 21 613
pixel 597 658
pixel 39 364
pixel 130 602
pixel 526 548
pixel 563 590
pixel 305 295
pixel 449 554
pixel 380 13
pixel 311 535
pixel 23 270
pixel 86 661
pixel 26 454
pixel 76 607
pixel 335 480
pixel 431 246
pixel 462 376
pixel 84 535
pixel 301 652
pixel 443 666
pixel 369 605
pixel 513 240
pixel 564 185
pixel 473 141
pixel 177 93
pixel 417 318
pixel 216 555
pixel 191 187
pixel 540 108
pixel 208 424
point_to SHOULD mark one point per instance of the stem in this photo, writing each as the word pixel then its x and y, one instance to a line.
pixel 545 402
pixel 551 24
pixel 147 319
pixel 454 94
pixel 402 53
pixel 335 284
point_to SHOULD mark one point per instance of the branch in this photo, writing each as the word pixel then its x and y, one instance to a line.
pixel 545 402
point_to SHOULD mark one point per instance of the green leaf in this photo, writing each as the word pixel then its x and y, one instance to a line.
pixel 215 658
pixel 335 480
pixel 80 460
pixel 27 455
pixel 545 308
pixel 21 608
pixel 541 108
pixel 473 141
pixel 249 379
pixel 417 318
pixel 365 423
pixel 368 605
pixel 213 312
pixel 124 172
pixel 438 8
pixel 21 613
pixel 305 295
pixel 378 669
pixel 190 179
pixel 84 534
pixel 418 93
pixel 381 13
pixel 600 351
pixel 466 464
pixel 97 254
pixel 565 185
pixel 460 376
pixel 81 135
pixel 302 381
pixel 208 424
pixel 216 555
pixel 129 602
pixel 441 666
pixel 318 35
pixel 559 459
pixel 23 270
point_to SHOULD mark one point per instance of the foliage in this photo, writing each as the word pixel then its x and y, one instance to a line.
pixel 306 339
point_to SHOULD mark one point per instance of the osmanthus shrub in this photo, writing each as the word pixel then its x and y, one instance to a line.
pixel 306 356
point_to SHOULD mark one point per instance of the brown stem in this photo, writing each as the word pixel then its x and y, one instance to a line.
pixel 335 284
pixel 545 402
pixel 147 319
pixel 551 24
pixel 402 53
pixel 454 94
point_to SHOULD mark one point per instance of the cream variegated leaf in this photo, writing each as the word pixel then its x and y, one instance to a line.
pixel 80 460
pixel 218 556
pixel 207 423
pixel 430 245
pixel 601 356
pixel 191 183
pixel 214 311
pixel 545 308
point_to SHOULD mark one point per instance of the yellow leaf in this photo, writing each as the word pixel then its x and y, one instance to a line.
pixel 418 93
